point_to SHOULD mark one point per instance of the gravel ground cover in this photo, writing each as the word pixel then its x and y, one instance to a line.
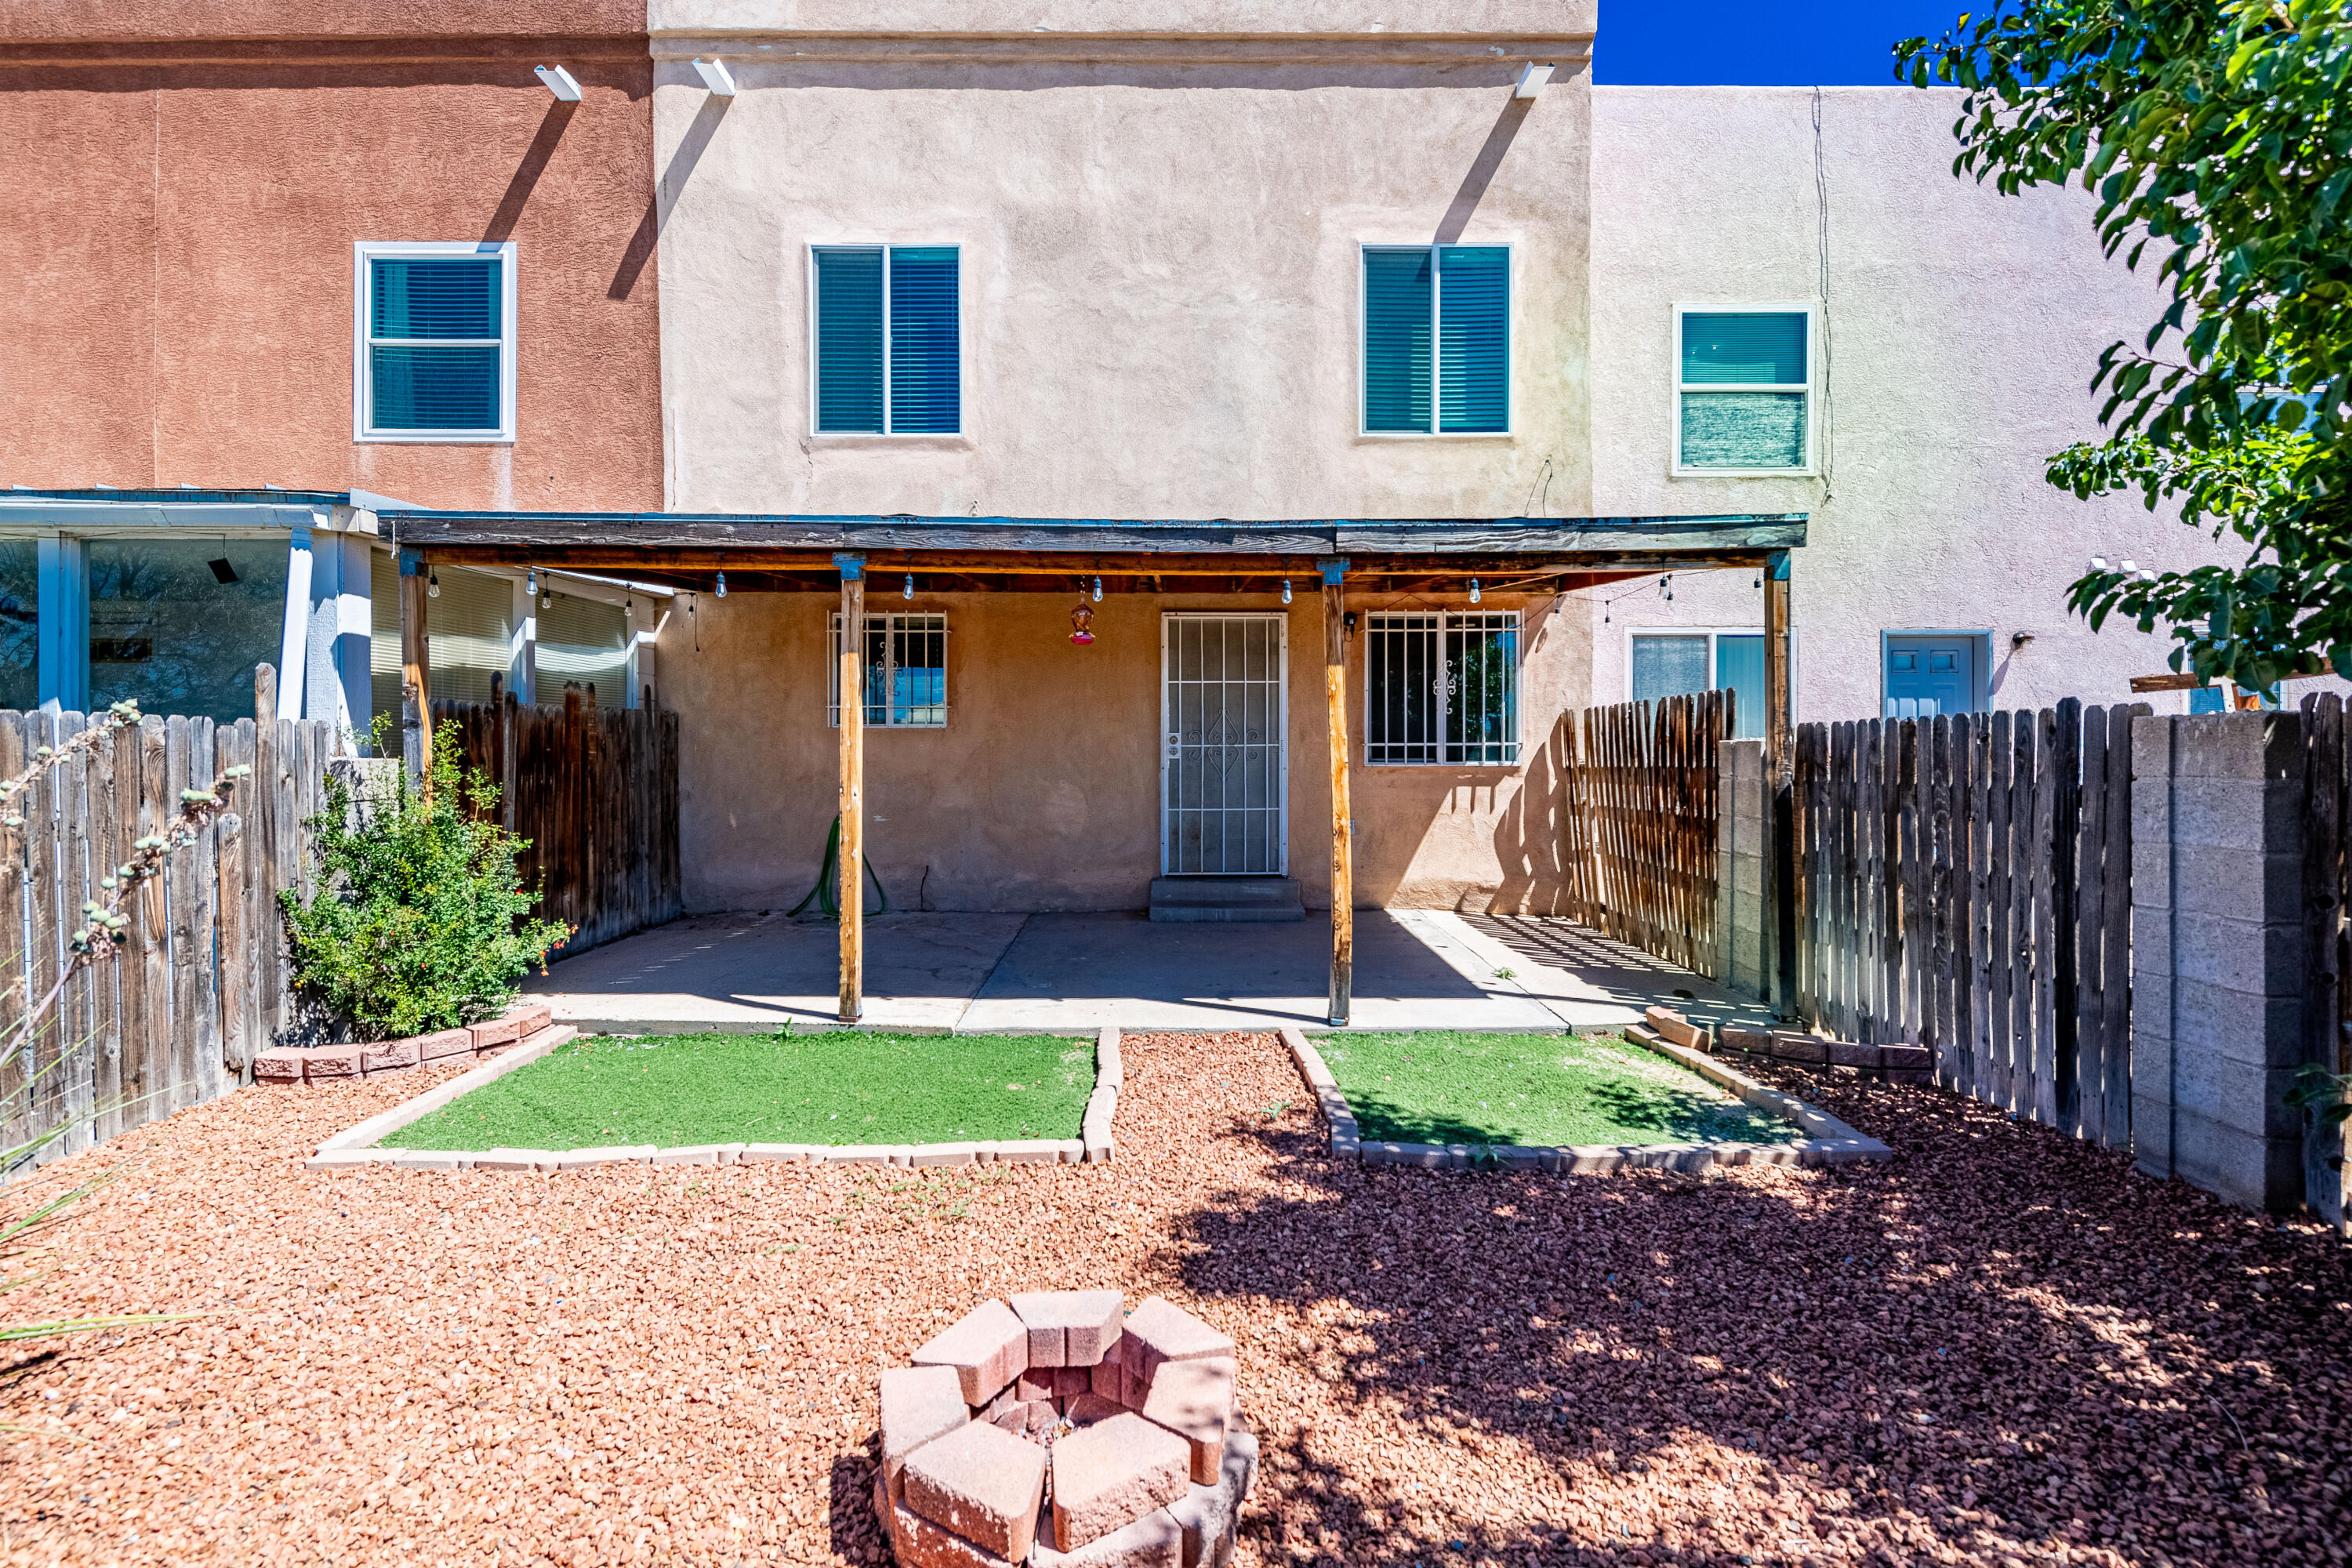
pixel 839 1087
pixel 2002 1348
pixel 1535 1090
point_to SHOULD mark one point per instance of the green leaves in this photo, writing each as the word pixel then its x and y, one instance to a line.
pixel 420 922
pixel 2221 132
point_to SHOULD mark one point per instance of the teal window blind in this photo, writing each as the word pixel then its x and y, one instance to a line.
pixel 1437 340
pixel 435 340
pixel 1745 390
pixel 888 340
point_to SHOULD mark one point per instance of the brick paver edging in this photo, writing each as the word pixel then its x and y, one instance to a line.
pixel 354 1148
pixel 1828 1141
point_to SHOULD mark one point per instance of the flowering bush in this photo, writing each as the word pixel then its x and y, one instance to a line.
pixel 420 921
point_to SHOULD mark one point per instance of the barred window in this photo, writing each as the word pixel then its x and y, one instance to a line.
pixel 1441 687
pixel 906 665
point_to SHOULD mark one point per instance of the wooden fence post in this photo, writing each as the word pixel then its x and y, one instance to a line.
pixel 1343 826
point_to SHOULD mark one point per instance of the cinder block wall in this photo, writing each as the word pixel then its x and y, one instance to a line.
pixel 1740 867
pixel 2218 962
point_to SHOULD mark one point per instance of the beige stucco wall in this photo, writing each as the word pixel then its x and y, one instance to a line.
pixel 1964 326
pixel 1042 791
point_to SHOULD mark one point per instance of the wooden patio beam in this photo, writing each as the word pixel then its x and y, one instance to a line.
pixel 852 867
pixel 1779 779
pixel 1343 826
pixel 415 667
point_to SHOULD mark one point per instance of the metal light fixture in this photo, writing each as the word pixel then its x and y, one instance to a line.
pixel 2098 563
pixel 1285 590
pixel 559 82
pixel 1098 590
pixel 546 600
pixel 1473 590
pixel 908 591
pixel 716 76
pixel 722 584
pixel 224 571
pixel 433 584
pixel 1531 80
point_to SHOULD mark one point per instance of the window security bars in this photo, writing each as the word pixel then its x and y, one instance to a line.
pixel 905 661
pixel 1441 687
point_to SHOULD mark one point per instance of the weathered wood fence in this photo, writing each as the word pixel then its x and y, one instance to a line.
pixel 203 982
pixel 1964 883
pixel 595 792
pixel 1639 794
pixel 2326 901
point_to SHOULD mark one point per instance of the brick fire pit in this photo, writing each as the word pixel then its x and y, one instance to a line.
pixel 1062 1430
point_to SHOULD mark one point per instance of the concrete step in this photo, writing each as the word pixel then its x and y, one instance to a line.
pixel 1226 898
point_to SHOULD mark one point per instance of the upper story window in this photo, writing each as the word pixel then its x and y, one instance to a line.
pixel 434 356
pixel 1437 340
pixel 889 343
pixel 1441 687
pixel 1744 388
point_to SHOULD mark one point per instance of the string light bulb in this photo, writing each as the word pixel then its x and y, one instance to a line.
pixel 908 591
pixel 1285 590
pixel 433 586
pixel 722 584
pixel 531 582
pixel 1098 590
pixel 1473 590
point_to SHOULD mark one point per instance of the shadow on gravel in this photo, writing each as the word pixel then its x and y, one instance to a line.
pixel 2005 1345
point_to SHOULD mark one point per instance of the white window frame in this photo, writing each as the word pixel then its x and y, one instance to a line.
pixel 1446 616
pixel 1714 665
pixel 890 621
pixel 363 389
pixel 963 343
pixel 1812 399
pixel 1437 359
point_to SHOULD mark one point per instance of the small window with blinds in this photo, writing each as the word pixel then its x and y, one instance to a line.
pixel 1744 391
pixel 469 640
pixel 888 351
pixel 905 661
pixel 1437 340
pixel 434 356
pixel 1442 688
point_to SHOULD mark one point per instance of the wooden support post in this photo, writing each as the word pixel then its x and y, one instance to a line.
pixel 1343 826
pixel 851 892
pixel 1780 778
pixel 415 694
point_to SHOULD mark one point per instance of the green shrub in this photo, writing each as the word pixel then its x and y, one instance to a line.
pixel 419 923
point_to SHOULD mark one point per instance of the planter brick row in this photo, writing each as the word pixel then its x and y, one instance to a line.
pixel 1827 1140
pixel 349 1150
pixel 324 1064
pixel 1895 1064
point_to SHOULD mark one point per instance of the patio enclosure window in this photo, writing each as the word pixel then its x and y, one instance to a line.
pixel 583 642
pixel 469 635
pixel 905 671
pixel 437 341
pixel 1442 688
pixel 888 344
pixel 1437 340
pixel 1744 390
pixel 179 624
pixel 1671 664
pixel 20 624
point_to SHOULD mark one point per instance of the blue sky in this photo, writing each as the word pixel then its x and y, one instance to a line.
pixel 1761 43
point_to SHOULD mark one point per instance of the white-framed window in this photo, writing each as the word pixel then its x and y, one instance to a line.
pixel 1673 661
pixel 886 354
pixel 1441 687
pixel 1437 340
pixel 906 665
pixel 1743 389
pixel 433 342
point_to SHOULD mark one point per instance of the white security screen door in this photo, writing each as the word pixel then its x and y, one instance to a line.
pixel 1223 770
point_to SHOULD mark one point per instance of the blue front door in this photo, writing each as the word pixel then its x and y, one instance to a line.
pixel 1930 675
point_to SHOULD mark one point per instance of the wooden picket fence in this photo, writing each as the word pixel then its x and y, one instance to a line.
pixel 595 792
pixel 2327 898
pixel 204 980
pixel 1638 801
pixel 1964 882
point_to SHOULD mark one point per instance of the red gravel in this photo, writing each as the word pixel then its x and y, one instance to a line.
pixel 2002 1348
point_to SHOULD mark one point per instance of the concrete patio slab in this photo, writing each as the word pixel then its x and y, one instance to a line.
pixel 1416 969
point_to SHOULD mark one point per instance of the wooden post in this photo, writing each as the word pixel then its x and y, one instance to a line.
pixel 415 692
pixel 1779 776
pixel 1343 826
pixel 852 684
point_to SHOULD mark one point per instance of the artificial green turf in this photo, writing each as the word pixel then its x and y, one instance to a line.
pixel 1534 1090
pixel 835 1088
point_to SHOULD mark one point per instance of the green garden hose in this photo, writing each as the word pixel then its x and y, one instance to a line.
pixel 830 873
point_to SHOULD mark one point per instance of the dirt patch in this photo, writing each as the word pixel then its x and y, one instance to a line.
pixel 2003 1345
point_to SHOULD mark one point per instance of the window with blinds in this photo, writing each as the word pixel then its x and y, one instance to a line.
pixel 583 643
pixel 1673 664
pixel 888 340
pixel 469 635
pixel 436 342
pixel 1743 390
pixel 1441 687
pixel 1437 340
pixel 905 671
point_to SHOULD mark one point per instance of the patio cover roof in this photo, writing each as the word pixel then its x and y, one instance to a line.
pixel 795 552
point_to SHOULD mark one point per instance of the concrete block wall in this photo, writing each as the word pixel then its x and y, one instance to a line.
pixel 2219 966
pixel 1740 867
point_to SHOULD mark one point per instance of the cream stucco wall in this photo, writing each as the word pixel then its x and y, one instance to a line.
pixel 1964 328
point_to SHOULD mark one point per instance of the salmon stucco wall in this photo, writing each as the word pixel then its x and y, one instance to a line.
pixel 187 185
pixel 1042 791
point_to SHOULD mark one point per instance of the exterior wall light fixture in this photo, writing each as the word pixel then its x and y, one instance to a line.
pixel 1531 80
pixel 559 82
pixel 715 77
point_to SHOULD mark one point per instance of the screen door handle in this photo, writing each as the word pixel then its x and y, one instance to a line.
pixel 1175 745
